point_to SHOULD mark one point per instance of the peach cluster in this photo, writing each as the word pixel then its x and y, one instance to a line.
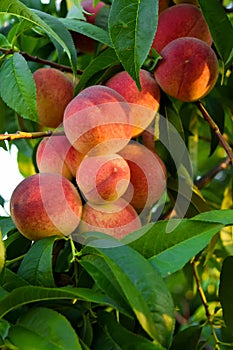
pixel 189 68
pixel 95 176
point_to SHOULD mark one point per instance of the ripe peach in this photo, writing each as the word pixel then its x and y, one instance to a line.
pixel 82 42
pixel 45 205
pixel 184 20
pixel 148 176
pixel 54 90
pixel 98 121
pixel 148 97
pixel 103 178
pixel 117 218
pixel 56 155
pixel 188 69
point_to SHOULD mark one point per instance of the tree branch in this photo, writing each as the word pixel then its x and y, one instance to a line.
pixel 40 60
pixel 30 135
pixel 205 179
pixel 204 302
pixel 215 129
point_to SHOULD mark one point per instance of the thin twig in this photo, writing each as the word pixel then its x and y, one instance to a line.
pixel 30 135
pixel 205 179
pixel 215 129
pixel 40 60
pixel 204 302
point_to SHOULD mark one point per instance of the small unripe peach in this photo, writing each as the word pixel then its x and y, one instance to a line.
pixel 184 20
pixel 103 178
pixel 117 218
pixel 56 155
pixel 54 90
pixel 148 97
pixel 188 69
pixel 98 121
pixel 45 205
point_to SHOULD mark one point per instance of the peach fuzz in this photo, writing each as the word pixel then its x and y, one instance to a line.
pixel 148 97
pixel 56 155
pixel 54 90
pixel 116 219
pixel 148 176
pixel 103 178
pixel 45 205
pixel 188 69
pixel 98 121
pixel 184 20
pixel 82 42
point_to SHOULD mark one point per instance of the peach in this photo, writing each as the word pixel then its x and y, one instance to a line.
pixel 56 155
pixel 148 176
pixel 184 20
pixel 54 90
pixel 82 42
pixel 117 218
pixel 98 121
pixel 45 205
pixel 148 97
pixel 188 69
pixel 103 178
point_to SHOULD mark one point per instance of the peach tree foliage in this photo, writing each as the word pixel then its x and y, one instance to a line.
pixel 157 290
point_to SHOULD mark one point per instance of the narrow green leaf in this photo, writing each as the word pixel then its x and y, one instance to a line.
pixel 124 339
pixel 64 35
pixel 36 266
pixel 87 29
pixel 18 9
pixel 132 26
pixel 187 339
pixel 226 292
pixel 54 334
pixel 104 60
pixel 221 30
pixel 174 259
pixel 29 294
pixel 169 252
pixel 20 91
pixel 143 287
pixel 10 280
pixel 105 279
pixel 223 216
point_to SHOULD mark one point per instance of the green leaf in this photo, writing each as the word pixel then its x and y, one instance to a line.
pixel 6 225
pixel 64 35
pixel 11 280
pixel 46 327
pixel 187 339
pixel 105 279
pixel 36 266
pixel 221 29
pixel 18 9
pixel 29 294
pixel 88 29
pixel 132 26
pixel 112 332
pixel 169 252
pixel 104 60
pixel 20 91
pixel 226 292
pixel 143 288
pixel 223 216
